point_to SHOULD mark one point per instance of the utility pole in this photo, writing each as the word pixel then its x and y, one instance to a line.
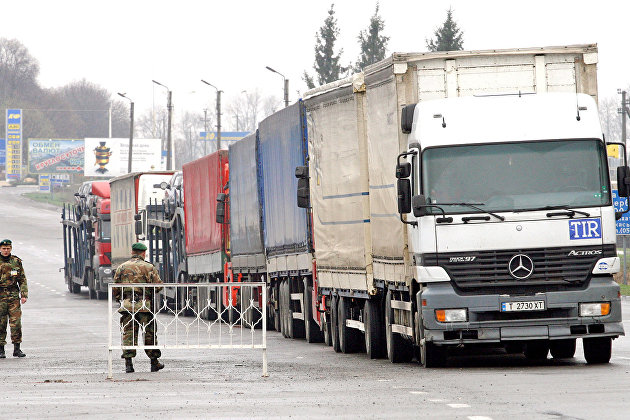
pixel 218 112
pixel 624 111
pixel 286 85
pixel 205 128
pixel 130 131
pixel 169 107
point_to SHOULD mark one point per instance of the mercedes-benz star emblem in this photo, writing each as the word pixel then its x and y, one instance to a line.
pixel 521 266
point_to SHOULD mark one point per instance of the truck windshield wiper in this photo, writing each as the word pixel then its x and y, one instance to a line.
pixel 474 206
pixel 568 211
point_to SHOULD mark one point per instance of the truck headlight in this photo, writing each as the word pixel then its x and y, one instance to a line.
pixel 107 271
pixel 451 315
pixel 595 309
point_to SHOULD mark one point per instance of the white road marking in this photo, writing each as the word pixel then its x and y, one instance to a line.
pixel 479 418
pixel 458 405
pixel 418 392
pixel 437 400
pixel 58 293
pixel 384 380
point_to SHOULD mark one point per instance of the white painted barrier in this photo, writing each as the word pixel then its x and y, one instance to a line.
pixel 215 316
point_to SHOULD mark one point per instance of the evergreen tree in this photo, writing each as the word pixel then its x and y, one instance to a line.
pixel 373 44
pixel 326 64
pixel 448 37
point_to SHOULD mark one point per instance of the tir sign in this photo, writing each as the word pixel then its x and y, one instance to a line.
pixel 585 229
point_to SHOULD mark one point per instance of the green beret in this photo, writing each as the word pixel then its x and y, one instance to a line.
pixel 8 242
pixel 139 246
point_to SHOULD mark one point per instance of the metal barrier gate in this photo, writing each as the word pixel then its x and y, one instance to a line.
pixel 200 316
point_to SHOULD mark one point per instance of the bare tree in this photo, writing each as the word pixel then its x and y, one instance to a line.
pixel 18 69
pixel 188 145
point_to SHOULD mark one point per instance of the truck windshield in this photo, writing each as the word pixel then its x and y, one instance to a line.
pixel 106 230
pixel 516 176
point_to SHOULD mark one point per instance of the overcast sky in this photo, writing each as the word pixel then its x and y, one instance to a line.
pixel 123 45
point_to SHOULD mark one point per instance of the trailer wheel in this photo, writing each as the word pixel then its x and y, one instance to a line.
pixel 297 325
pixel 597 350
pixel 348 337
pixel 272 308
pixel 327 329
pixel 334 329
pixel 375 345
pixel 562 349
pixel 537 350
pixel 90 284
pixel 398 349
pixel 285 313
pixel 312 332
pixel 74 287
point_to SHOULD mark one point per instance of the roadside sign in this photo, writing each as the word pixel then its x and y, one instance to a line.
pixel 44 182
pixel 620 204
pixel 13 143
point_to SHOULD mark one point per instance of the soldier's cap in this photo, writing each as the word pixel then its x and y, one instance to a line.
pixel 6 242
pixel 139 246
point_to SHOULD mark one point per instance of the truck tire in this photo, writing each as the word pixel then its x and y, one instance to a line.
pixel 312 333
pixel 334 328
pixel 74 287
pixel 287 316
pixel 272 308
pixel 349 338
pixel 281 316
pixel 375 345
pixel 398 349
pixel 101 295
pixel 562 349
pixel 597 350
pixel 297 325
pixel 90 284
pixel 537 350
pixel 327 330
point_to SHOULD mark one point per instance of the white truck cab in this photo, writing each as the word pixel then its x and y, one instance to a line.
pixel 511 225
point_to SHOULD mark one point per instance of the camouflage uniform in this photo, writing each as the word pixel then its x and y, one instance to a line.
pixel 12 285
pixel 137 305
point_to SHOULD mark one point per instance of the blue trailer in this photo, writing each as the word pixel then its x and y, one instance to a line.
pixel 287 232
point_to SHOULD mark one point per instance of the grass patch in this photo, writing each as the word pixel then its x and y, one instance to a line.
pixel 625 289
pixel 58 199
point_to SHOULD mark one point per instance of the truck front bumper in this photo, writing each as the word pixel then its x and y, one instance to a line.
pixel 486 323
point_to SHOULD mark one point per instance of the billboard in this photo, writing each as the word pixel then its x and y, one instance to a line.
pixel 109 157
pixel 55 156
pixel 14 143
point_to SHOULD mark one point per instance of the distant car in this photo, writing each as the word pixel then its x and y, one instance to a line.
pixel 89 192
pixel 173 191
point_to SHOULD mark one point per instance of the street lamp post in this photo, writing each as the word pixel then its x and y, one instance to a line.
pixel 286 85
pixel 218 112
pixel 130 130
pixel 169 107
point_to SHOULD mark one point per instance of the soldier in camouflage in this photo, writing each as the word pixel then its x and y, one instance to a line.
pixel 13 291
pixel 136 305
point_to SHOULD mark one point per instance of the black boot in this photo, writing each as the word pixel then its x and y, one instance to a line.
pixel 156 365
pixel 16 350
pixel 129 365
pixel 2 353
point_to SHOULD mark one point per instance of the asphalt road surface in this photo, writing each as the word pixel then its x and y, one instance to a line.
pixel 64 373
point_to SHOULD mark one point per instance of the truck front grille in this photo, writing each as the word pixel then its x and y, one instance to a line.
pixel 552 266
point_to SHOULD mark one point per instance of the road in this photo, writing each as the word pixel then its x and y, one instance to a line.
pixel 64 373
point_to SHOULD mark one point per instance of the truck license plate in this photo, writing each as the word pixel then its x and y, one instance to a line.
pixel 532 305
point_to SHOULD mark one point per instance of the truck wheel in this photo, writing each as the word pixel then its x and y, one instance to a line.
pixel 597 350
pixel 75 287
pixel 90 284
pixel 432 356
pixel 297 325
pixel 537 350
pixel 287 315
pixel 334 328
pixel 327 331
pixel 562 349
pixel 398 349
pixel 272 310
pixel 348 341
pixel 375 345
pixel 281 316
pixel 101 295
pixel 311 328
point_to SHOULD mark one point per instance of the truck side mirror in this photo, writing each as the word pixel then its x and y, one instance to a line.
pixel 303 193
pixel 404 196
pixel 139 227
pixel 418 204
pixel 221 208
pixel 623 181
pixel 406 118
pixel 94 212
pixel 303 187
pixel 403 170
